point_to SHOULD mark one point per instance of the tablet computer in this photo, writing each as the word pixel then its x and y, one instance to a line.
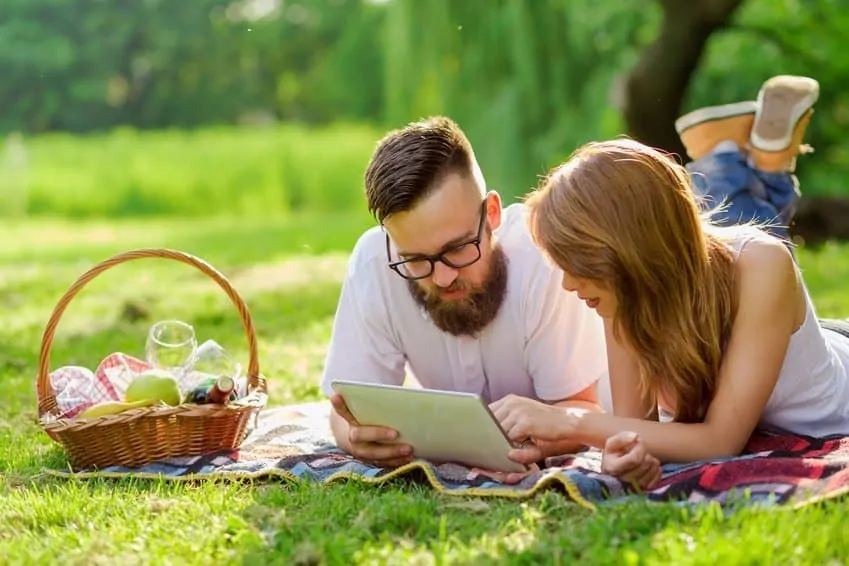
pixel 441 426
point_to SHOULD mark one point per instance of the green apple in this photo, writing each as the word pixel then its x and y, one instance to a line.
pixel 154 384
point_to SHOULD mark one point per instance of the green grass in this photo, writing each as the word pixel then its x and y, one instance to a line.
pixel 206 172
pixel 289 271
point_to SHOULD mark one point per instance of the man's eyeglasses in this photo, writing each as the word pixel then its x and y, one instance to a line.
pixel 457 256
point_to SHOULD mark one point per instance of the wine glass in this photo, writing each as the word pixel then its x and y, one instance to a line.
pixel 170 345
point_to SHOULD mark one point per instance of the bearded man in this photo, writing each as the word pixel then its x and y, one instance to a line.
pixel 450 290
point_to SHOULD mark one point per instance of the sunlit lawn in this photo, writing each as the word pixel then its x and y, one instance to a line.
pixel 289 272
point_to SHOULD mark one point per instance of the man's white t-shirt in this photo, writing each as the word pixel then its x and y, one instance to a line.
pixel 544 343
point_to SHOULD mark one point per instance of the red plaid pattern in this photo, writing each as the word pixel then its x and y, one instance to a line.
pixel 115 373
pixel 77 388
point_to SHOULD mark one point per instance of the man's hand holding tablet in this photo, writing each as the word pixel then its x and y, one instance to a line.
pixel 369 443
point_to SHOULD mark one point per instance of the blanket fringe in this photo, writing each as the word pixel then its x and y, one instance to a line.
pixel 548 480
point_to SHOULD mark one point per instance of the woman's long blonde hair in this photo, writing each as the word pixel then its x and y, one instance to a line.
pixel 625 215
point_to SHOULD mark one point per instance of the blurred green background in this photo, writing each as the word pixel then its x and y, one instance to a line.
pixel 223 107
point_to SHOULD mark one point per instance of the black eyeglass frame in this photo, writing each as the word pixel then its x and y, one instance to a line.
pixel 432 259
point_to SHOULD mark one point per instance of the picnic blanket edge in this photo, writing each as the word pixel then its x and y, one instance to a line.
pixel 546 480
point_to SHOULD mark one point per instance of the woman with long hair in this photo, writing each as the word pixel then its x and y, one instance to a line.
pixel 710 324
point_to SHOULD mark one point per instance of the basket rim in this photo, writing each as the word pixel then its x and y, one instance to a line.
pixel 253 402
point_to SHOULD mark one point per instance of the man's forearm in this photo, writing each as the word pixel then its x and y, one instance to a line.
pixel 339 427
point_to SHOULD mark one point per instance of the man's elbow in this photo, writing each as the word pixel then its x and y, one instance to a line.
pixel 586 399
pixel 339 428
pixel 590 406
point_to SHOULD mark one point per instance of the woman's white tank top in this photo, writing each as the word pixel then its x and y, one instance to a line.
pixel 811 396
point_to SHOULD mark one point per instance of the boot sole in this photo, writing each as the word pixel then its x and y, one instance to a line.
pixel 781 106
pixel 712 113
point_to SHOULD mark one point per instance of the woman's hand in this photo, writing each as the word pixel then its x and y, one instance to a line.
pixel 523 419
pixel 625 457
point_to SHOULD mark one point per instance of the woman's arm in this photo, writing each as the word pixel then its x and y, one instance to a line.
pixel 624 380
pixel 770 309
pixel 768 314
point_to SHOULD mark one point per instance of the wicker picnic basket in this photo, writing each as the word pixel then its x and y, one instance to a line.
pixel 140 436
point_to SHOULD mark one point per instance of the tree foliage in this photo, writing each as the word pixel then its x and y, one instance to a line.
pixel 528 79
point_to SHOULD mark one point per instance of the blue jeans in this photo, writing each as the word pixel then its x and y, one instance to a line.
pixel 724 177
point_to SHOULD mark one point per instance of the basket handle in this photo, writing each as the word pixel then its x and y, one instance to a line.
pixel 46 395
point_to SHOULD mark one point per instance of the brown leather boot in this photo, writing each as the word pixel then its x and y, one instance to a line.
pixel 784 111
pixel 701 130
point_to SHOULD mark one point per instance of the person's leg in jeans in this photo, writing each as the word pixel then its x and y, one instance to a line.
pixel 785 107
pixel 744 154
pixel 727 184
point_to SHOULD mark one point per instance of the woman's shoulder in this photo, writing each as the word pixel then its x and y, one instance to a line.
pixel 760 250
pixel 751 244
pixel 766 271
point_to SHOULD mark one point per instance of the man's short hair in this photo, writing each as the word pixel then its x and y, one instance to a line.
pixel 408 163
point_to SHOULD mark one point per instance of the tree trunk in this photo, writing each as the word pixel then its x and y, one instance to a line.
pixel 655 88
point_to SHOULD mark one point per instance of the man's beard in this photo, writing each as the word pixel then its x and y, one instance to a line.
pixel 471 314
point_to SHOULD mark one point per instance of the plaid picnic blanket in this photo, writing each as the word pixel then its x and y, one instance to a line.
pixel 294 444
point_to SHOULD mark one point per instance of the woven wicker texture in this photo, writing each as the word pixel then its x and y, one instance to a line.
pixel 141 436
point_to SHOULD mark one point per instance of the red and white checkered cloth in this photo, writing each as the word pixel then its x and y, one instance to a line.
pixel 77 388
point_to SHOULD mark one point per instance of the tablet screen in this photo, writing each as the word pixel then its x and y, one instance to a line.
pixel 441 426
